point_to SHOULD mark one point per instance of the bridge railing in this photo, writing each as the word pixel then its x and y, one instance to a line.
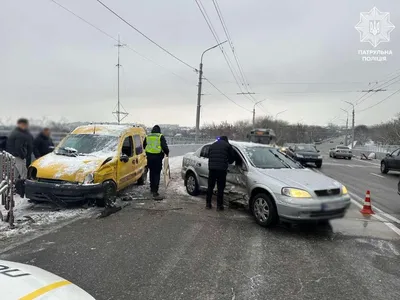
pixel 7 182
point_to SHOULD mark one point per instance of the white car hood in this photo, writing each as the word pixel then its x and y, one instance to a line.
pixel 20 281
pixel 302 178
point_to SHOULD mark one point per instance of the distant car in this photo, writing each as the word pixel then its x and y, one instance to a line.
pixel 391 162
pixel 21 281
pixel 318 143
pixel 341 152
pixel 305 153
pixel 331 142
pixel 275 186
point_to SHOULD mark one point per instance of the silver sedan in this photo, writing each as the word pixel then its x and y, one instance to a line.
pixel 341 152
pixel 274 186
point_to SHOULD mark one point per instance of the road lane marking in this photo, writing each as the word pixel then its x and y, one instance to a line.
pixel 388 216
pixel 377 175
pixel 384 221
pixel 368 162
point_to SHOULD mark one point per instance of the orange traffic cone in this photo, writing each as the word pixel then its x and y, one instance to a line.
pixel 367 208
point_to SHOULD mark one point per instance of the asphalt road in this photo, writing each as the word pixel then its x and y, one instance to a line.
pixel 360 176
pixel 176 249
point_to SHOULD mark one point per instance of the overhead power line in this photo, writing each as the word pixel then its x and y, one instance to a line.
pixel 116 40
pixel 145 36
pixel 223 94
pixel 217 39
pixel 384 99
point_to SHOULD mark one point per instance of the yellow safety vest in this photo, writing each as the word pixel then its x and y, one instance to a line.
pixel 153 143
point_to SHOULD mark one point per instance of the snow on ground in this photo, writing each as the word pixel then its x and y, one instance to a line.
pixel 29 217
pixel 176 186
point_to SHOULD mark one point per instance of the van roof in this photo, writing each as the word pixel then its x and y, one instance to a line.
pixel 103 129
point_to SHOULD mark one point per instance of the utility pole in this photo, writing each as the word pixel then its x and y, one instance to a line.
pixel 353 123
pixel 347 127
pixel 118 112
pixel 254 110
pixel 199 91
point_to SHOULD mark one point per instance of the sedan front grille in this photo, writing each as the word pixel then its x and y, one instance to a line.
pixel 327 193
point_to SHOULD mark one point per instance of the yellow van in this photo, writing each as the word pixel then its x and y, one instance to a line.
pixel 92 163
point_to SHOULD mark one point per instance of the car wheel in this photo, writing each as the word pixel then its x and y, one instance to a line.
pixel 110 194
pixel 384 168
pixel 264 210
pixel 349 158
pixel 192 186
pixel 142 180
pixel 318 165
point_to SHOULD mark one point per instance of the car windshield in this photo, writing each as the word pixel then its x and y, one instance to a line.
pixel 343 147
pixel 269 158
pixel 306 148
pixel 82 144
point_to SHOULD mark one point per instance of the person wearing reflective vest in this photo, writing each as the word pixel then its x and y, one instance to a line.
pixel 156 148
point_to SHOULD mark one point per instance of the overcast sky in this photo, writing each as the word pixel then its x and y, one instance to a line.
pixel 299 55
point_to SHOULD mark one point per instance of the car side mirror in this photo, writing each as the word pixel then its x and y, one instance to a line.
pixel 124 158
pixel 318 151
pixel 388 154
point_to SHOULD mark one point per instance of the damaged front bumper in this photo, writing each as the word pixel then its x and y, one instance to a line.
pixel 62 193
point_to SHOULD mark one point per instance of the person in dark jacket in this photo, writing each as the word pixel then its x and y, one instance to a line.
pixel 156 148
pixel 43 144
pixel 18 144
pixel 220 155
pixel 30 149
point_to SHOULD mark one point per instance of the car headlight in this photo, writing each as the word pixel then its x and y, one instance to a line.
pixel 295 193
pixel 344 190
pixel 319 156
pixel 89 178
pixel 299 155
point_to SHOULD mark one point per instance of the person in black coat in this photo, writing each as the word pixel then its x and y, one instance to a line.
pixel 156 148
pixel 18 145
pixel 30 149
pixel 220 155
pixel 43 144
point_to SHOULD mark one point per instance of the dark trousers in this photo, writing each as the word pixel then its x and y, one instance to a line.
pixel 219 177
pixel 155 166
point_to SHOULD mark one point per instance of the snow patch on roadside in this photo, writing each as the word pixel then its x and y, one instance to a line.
pixel 176 186
pixel 30 217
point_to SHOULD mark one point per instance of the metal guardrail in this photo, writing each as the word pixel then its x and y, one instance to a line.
pixel 171 140
pixel 7 180
pixel 378 148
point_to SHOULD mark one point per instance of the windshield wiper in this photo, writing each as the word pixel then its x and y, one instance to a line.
pixel 67 151
pixel 281 160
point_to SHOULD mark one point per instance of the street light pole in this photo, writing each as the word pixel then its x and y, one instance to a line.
pixel 347 126
pixel 254 111
pixel 281 112
pixel 199 90
pixel 353 122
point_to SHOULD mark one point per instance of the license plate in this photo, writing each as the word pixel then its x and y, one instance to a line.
pixel 330 206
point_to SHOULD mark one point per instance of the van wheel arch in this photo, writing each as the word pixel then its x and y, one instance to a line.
pixel 110 191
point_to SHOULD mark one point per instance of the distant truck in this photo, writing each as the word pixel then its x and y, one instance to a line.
pixel 262 136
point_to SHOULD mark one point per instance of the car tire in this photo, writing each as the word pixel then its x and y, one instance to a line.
pixel 318 165
pixel 349 158
pixel 142 180
pixel 110 193
pixel 264 210
pixel 384 168
pixel 191 184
